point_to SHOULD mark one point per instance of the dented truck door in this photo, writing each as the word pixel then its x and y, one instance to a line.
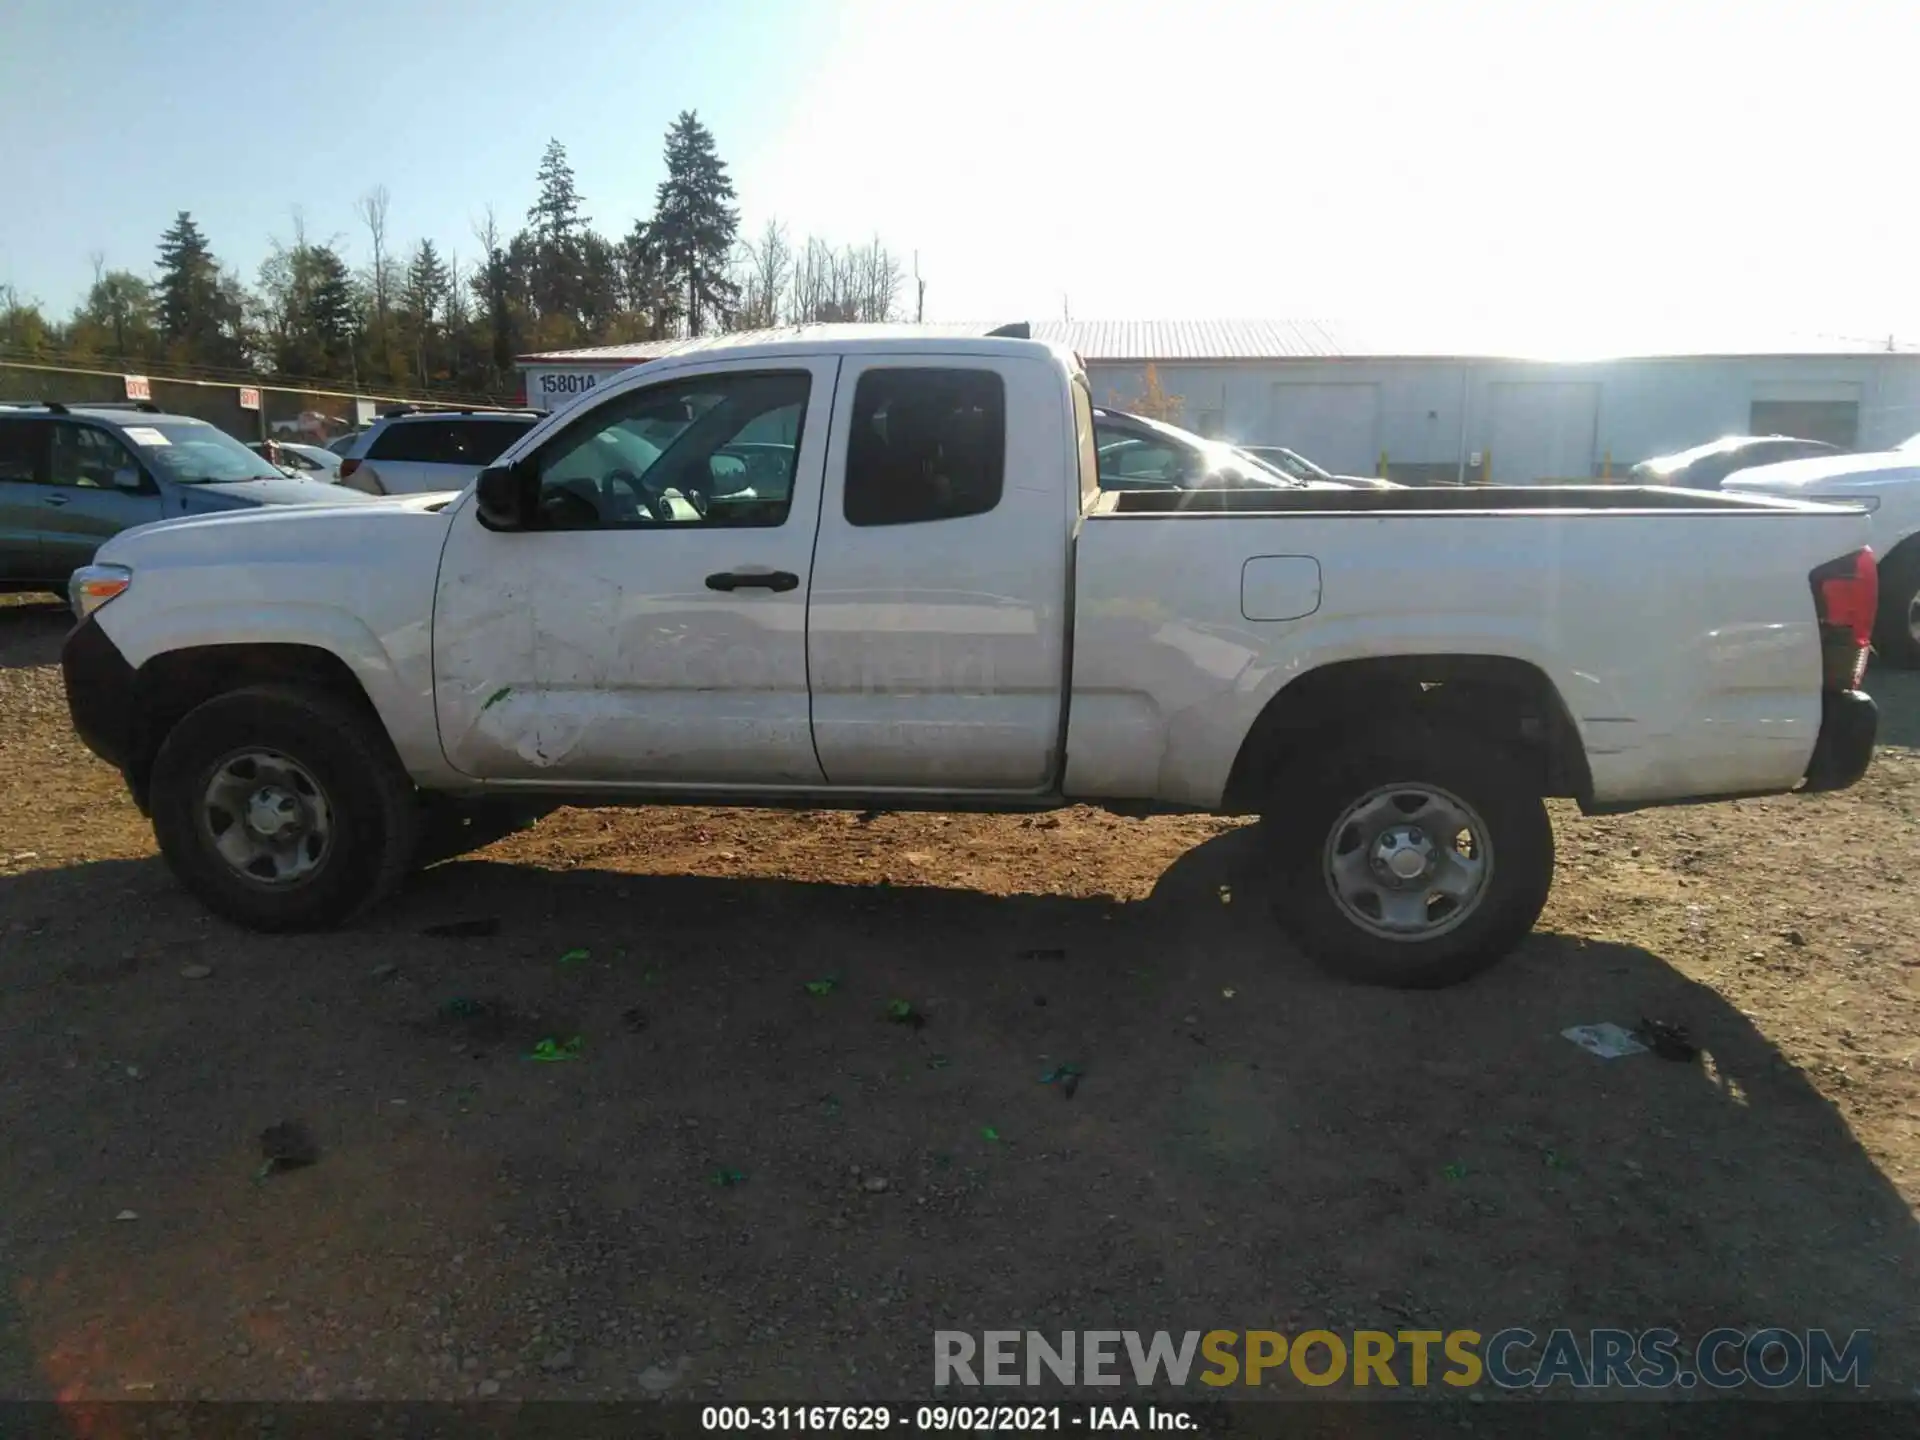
pixel 650 624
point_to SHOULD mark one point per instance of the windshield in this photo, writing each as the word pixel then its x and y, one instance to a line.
pixel 1278 457
pixel 188 453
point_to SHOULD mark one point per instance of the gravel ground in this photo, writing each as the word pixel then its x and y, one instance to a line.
pixel 737 1187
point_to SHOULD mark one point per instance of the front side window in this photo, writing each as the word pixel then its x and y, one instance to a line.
pixel 91 458
pixel 926 444
pixel 719 450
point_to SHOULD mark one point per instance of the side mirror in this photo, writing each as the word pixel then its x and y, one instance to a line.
pixel 129 479
pixel 504 496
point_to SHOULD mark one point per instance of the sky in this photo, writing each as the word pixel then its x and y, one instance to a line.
pixel 1554 176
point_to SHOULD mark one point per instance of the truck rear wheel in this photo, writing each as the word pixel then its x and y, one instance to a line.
pixel 1896 629
pixel 282 809
pixel 1414 865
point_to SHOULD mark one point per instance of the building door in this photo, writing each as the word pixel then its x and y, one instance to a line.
pixel 1334 425
pixel 1543 431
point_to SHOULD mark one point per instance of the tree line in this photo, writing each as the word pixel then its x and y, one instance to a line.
pixel 421 316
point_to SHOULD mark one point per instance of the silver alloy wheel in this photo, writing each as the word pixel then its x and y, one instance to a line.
pixel 266 817
pixel 1408 862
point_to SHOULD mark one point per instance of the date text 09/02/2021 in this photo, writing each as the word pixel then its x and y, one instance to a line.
pixel 988 1419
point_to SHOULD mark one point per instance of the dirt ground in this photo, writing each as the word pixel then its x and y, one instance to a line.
pixel 736 1187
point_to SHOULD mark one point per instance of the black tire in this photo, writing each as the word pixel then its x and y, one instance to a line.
pixel 452 828
pixel 372 809
pixel 1496 790
pixel 1893 639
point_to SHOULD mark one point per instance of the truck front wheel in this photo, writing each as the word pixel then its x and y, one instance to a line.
pixel 1411 864
pixel 282 809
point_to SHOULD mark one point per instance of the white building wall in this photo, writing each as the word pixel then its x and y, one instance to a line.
pixel 1437 413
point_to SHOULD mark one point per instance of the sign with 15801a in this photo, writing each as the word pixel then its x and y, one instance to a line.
pixel 551 389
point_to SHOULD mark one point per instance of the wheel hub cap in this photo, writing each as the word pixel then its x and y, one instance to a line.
pixel 1403 853
pixel 1408 862
pixel 266 817
pixel 273 813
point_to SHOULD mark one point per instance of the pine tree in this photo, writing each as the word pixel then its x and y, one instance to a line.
pixel 695 223
pixel 555 233
pixel 332 307
pixel 426 288
pixel 424 302
pixel 189 291
pixel 646 292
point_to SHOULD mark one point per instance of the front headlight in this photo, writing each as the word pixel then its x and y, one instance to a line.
pixel 94 585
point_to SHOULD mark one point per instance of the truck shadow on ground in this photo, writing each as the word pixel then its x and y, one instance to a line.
pixel 1247 1143
pixel 32 628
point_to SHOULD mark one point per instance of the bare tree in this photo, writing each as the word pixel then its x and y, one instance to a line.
pixel 877 284
pixel 372 210
pixel 766 271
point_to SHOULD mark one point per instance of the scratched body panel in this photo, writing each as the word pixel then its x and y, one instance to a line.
pixel 604 655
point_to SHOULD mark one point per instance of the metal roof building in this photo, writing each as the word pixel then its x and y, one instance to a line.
pixel 1426 405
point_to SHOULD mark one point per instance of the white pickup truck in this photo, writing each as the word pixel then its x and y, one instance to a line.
pixel 879 573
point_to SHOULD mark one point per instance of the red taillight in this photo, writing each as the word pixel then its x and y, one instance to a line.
pixel 347 467
pixel 1846 598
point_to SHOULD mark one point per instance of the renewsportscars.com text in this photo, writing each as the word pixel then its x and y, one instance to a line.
pixel 1512 1359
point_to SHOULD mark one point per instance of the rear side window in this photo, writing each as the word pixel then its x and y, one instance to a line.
pixel 21 442
pixel 448 442
pixel 926 445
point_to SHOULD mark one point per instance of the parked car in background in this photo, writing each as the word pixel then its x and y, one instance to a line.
pixel 309 462
pixel 1705 466
pixel 1135 452
pixel 72 477
pixel 880 573
pixel 1886 484
pixel 413 452
pixel 1292 462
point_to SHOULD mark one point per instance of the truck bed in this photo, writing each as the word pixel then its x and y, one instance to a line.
pixel 1677 627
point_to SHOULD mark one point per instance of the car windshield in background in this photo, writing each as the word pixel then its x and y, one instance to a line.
pixel 191 454
pixel 1265 466
pixel 1277 457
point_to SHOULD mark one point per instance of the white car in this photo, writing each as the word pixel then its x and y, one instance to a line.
pixel 417 452
pixel 306 462
pixel 1887 485
pixel 881 574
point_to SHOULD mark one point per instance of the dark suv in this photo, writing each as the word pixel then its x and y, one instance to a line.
pixel 72 476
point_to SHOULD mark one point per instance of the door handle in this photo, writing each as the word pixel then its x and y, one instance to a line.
pixel 54 500
pixel 753 580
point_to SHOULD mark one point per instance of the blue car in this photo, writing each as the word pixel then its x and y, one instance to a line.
pixel 73 476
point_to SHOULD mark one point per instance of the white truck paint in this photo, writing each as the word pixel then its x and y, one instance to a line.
pixel 1887 485
pixel 1326 658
